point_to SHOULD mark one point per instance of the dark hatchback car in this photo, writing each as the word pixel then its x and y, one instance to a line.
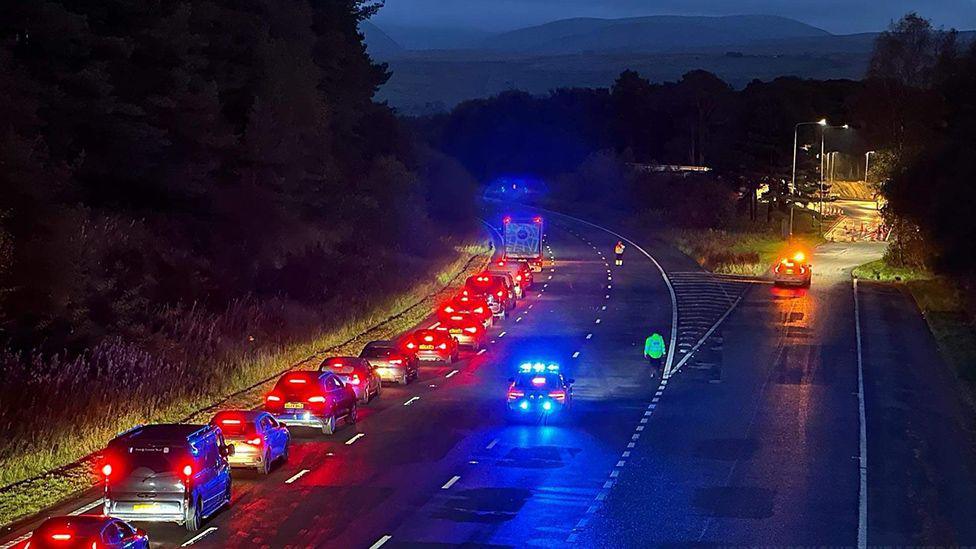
pixel 312 399
pixel 391 363
pixel 167 473
pixel 357 373
pixel 85 532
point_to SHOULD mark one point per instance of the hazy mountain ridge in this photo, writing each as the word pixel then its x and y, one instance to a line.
pixel 651 34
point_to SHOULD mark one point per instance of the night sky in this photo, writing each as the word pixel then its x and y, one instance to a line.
pixel 837 16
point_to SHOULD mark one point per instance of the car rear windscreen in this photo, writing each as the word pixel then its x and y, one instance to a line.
pixel 377 352
pixel 156 459
pixel 297 385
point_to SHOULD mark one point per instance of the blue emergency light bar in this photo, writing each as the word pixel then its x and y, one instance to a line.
pixel 538 367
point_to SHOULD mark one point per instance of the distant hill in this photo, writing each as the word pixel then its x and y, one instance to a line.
pixel 378 43
pixel 652 34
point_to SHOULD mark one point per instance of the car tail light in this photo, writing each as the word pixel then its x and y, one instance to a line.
pixel 539 381
pixel 299 380
pixel 396 361
pixel 428 338
pixel 442 346
pixel 558 395
pixel 515 393
pixel 107 470
pixel 507 219
pixel 457 317
pixel 231 421
pixel 316 399
pixel 471 329
pixel 354 379
pixel 537 220
pixel 480 310
pixel 273 398
pixel 518 278
pixel 500 293
pixel 256 441
pixel 410 345
pixel 448 309
pixel 187 470
pixel 61 537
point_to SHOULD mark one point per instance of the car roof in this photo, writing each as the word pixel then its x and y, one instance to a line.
pixel 248 415
pixel 381 343
pixel 86 524
pixel 162 432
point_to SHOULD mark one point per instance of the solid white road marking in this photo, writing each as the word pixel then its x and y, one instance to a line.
pixel 491 444
pixel 448 484
pixel 13 542
pixel 434 325
pixel 481 352
pixel 199 536
pixel 297 476
pixel 380 542
pixel 862 508
pixel 502 334
pixel 453 373
pixel 87 507
pixel 355 437
pixel 411 401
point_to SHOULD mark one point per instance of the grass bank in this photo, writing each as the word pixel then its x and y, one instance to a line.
pixel 59 462
pixel 942 304
pixel 748 253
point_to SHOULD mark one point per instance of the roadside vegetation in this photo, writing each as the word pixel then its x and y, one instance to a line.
pixel 183 214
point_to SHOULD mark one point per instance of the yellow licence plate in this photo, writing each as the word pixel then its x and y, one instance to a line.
pixel 144 506
pixel 455 331
pixel 426 347
pixel 294 405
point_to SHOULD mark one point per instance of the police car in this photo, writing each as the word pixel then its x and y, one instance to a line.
pixel 794 270
pixel 539 388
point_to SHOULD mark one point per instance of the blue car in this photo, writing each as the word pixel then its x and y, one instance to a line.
pixel 539 389
pixel 84 531
pixel 259 439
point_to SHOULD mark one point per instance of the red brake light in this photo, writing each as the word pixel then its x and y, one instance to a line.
pixel 507 219
pixel 537 219
pixel 231 421
pixel 187 470
pixel 256 441
pixel 448 309
pixel 61 537
pixel 107 470
pixel 539 380
pixel 479 310
pixel 500 293
pixel 318 398
pixel 297 380
pixel 518 278
pixel 428 338
pixel 274 398
pixel 354 379
pixel 558 395
pixel 471 329
pixel 457 317
pixel 410 345
pixel 442 346
pixel 515 393
pixel 396 361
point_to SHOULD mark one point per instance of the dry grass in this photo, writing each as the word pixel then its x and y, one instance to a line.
pixel 57 412
pixel 731 252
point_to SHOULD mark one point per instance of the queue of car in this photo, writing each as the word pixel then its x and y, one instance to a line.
pixel 182 472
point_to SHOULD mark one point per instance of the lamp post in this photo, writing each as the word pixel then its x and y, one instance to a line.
pixel 867 164
pixel 796 131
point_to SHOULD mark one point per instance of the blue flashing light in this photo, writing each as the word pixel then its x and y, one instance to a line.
pixel 538 367
pixel 524 405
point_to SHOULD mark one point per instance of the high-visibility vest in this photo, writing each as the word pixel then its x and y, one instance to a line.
pixel 654 346
pixel 619 248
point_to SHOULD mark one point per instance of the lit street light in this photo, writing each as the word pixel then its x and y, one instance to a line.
pixel 867 163
pixel 796 130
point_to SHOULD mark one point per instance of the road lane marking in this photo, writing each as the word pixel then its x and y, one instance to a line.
pixel 297 476
pixel 491 444
pixel 519 319
pixel 87 507
pixel 631 445
pixel 862 508
pixel 576 354
pixel 13 542
pixel 355 437
pixel 621 463
pixel 502 334
pixel 434 325
pixel 411 401
pixel 589 336
pixel 380 542
pixel 607 485
pixel 597 321
pixel 199 536
pixel 626 454
pixel 604 308
pixel 448 484
pixel 483 351
pixel 454 372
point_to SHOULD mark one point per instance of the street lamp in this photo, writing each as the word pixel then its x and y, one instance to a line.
pixel 796 130
pixel 867 163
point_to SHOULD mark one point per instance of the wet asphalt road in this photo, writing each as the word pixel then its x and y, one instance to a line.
pixel 755 441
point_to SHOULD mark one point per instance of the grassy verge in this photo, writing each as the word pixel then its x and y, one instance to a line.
pixel 943 306
pixel 733 252
pixel 69 473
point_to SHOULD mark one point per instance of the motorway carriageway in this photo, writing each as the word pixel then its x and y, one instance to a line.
pixel 437 461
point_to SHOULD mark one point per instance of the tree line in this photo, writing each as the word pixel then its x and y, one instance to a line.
pixel 194 153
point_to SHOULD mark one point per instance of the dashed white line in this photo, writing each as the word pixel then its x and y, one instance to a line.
pixel 453 373
pixel 355 437
pixel 491 444
pixel 434 325
pixel 199 536
pixel 411 401
pixel 621 463
pixel 380 542
pixel 448 484
pixel 597 321
pixel 481 352
pixel 576 354
pixel 589 336
pixel 297 476
pixel 604 308
pixel 519 319
pixel 502 334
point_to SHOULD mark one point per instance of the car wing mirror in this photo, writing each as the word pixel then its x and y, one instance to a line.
pixel 227 451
